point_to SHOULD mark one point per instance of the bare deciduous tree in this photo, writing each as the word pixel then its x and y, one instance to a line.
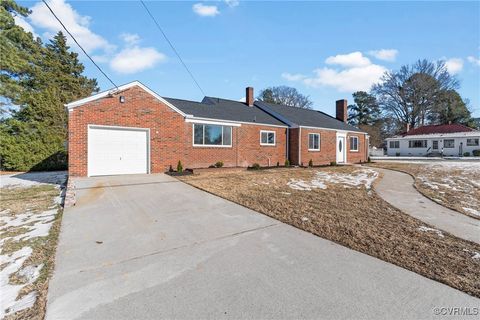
pixel 285 95
pixel 410 94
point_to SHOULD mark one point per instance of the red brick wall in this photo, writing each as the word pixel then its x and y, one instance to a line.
pixel 170 136
pixel 327 151
pixel 361 155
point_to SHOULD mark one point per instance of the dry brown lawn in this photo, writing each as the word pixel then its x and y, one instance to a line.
pixel 33 199
pixel 455 185
pixel 351 216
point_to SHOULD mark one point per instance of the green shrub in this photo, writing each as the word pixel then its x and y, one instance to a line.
pixel 333 163
pixel 179 167
pixel 278 164
pixel 369 160
pixel 397 154
pixel 255 166
pixel 31 147
pixel 287 163
pixel 310 163
pixel 466 154
pixel 219 164
pixel 476 153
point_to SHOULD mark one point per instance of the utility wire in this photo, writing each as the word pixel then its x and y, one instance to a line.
pixel 173 48
pixel 96 65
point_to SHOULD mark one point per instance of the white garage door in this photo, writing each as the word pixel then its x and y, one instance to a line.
pixel 113 151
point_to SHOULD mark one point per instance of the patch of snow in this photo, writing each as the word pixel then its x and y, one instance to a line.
pixel 472 211
pixel 31 273
pixel 475 256
pixel 10 292
pixel 362 177
pixel 427 229
pixel 29 179
pixel 305 219
pixel 287 193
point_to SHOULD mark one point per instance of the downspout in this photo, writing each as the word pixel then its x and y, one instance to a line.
pixel 236 146
pixel 299 145
pixel 287 144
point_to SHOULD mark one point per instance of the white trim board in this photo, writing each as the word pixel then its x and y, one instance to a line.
pixel 107 93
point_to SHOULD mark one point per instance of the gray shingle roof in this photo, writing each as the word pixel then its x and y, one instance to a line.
pixel 222 109
pixel 305 117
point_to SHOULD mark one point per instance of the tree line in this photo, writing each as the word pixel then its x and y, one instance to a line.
pixel 36 80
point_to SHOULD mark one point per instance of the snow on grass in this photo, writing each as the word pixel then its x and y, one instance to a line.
pixel 19 229
pixel 358 178
pixel 472 211
pixel 475 254
pixel 427 229
pixel 29 179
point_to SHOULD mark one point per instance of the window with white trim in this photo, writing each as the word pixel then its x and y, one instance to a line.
pixel 354 143
pixel 449 143
pixel 267 138
pixel 314 141
pixel 417 143
pixel 473 142
pixel 212 135
pixel 394 144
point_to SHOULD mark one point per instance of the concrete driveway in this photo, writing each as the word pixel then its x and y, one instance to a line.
pixel 150 247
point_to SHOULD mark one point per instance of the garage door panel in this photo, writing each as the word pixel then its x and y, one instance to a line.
pixel 113 151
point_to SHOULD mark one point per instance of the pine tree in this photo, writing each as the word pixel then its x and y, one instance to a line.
pixel 36 81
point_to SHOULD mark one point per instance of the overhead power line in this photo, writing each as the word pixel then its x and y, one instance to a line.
pixel 173 48
pixel 96 65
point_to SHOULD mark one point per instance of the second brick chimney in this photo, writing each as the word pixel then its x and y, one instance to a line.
pixel 249 99
pixel 341 113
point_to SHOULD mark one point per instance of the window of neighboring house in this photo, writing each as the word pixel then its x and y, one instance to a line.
pixel 314 141
pixel 212 135
pixel 267 138
pixel 449 143
pixel 394 144
pixel 417 143
pixel 472 142
pixel 354 143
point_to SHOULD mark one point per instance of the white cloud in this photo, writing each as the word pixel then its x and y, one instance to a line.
pixel 205 11
pixel 384 54
pixel 354 59
pixel 136 59
pixel 355 72
pixel 232 3
pixel 454 65
pixel 130 38
pixel 21 22
pixel 347 80
pixel 293 77
pixel 474 60
pixel 77 24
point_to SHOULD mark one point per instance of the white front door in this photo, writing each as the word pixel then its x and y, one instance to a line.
pixel 341 149
pixel 117 150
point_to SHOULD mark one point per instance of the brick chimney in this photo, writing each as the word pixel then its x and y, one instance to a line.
pixel 249 99
pixel 342 110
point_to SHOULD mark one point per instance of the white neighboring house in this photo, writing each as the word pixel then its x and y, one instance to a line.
pixel 446 140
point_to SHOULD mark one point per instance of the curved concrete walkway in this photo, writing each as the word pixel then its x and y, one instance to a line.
pixel 397 189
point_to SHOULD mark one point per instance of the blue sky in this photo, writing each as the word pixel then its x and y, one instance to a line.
pixel 326 50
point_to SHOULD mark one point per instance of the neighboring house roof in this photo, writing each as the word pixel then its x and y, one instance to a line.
pixel 305 117
pixel 438 129
pixel 222 109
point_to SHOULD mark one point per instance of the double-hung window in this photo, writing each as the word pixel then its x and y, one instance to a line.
pixel 394 144
pixel 449 143
pixel 212 135
pixel 417 143
pixel 472 142
pixel 267 138
pixel 354 143
pixel 313 141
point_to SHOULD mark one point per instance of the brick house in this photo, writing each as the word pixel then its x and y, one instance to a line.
pixel 134 130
